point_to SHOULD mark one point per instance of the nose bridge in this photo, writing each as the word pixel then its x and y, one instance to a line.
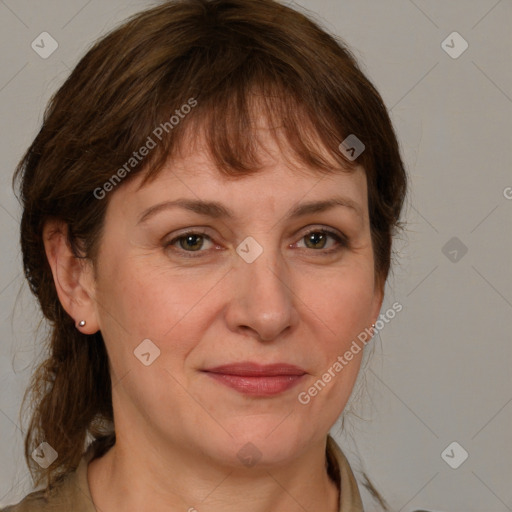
pixel 268 277
pixel 263 296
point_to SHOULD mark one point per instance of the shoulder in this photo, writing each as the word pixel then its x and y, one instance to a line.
pixel 71 493
pixel 33 502
pixel 61 499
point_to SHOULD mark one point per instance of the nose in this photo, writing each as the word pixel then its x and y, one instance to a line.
pixel 262 304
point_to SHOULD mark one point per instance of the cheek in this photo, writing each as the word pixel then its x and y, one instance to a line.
pixel 341 302
pixel 171 307
pixel 340 309
pixel 338 325
pixel 146 300
pixel 143 302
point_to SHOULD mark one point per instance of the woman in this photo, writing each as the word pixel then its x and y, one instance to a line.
pixel 208 211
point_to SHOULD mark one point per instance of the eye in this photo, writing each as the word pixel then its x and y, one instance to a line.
pixel 190 242
pixel 317 239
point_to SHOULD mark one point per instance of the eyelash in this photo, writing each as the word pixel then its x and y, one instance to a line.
pixel 341 240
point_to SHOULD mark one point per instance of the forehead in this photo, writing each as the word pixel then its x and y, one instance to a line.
pixel 261 200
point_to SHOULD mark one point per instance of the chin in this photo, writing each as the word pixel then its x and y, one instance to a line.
pixel 266 442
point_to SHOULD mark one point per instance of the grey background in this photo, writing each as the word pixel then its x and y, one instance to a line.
pixel 441 368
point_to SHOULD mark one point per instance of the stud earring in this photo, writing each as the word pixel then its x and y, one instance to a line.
pixel 81 323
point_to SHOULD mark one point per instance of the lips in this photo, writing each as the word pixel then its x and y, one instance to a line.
pixel 257 370
pixel 257 380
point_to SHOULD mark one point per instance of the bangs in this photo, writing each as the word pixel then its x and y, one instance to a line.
pixel 227 120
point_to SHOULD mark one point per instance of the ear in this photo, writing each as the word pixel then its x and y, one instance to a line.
pixel 73 277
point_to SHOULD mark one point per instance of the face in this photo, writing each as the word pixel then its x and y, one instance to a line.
pixel 247 304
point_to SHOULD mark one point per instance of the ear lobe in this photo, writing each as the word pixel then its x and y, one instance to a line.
pixel 72 276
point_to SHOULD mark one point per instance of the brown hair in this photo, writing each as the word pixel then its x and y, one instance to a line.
pixel 215 56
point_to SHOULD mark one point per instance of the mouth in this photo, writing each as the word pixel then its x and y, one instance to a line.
pixel 253 379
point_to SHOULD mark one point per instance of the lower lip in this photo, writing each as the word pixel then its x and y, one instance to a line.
pixel 258 386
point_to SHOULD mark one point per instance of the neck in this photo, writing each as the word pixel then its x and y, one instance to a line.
pixel 133 476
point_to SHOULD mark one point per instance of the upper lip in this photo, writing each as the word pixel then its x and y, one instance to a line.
pixel 250 369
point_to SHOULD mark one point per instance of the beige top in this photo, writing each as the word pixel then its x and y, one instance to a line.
pixel 73 494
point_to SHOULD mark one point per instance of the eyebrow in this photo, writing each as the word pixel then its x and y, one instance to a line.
pixel 217 210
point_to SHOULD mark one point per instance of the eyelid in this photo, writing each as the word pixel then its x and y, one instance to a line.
pixel 324 229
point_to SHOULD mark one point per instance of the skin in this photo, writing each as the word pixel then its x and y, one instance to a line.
pixel 179 431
